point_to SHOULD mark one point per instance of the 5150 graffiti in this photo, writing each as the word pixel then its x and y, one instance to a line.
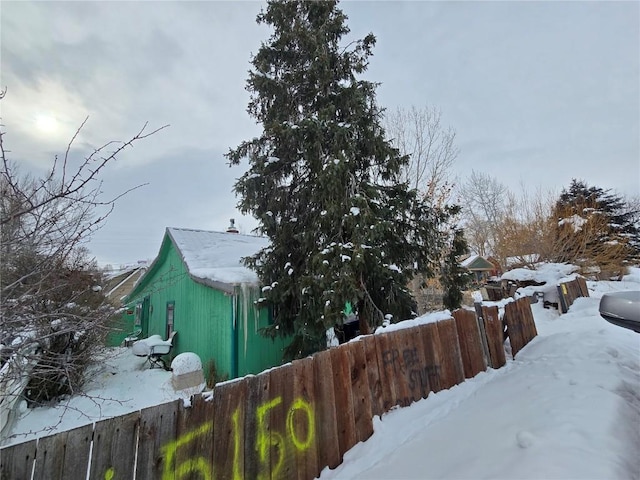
pixel 272 446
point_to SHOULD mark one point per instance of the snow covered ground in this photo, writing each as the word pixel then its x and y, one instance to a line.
pixel 122 384
pixel 567 407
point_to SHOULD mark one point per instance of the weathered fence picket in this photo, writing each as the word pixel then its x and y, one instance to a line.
pixel 471 351
pixel 325 409
pixel 158 427
pixel 452 369
pixel 114 447
pixel 16 461
pixel 521 327
pixel 64 455
pixel 360 391
pixel 272 414
pixel 190 456
pixel 406 362
pixel 345 418
pixel 373 374
pixel 419 373
pixel 433 361
pixel 387 357
pixel 256 447
pixel 230 423
pixel 495 336
pixel 303 420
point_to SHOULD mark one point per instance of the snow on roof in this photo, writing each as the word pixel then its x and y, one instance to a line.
pixel 482 263
pixel 469 260
pixel 217 256
pixel 112 273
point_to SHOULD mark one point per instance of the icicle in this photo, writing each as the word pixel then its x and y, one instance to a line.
pixel 246 301
pixel 256 313
pixel 234 307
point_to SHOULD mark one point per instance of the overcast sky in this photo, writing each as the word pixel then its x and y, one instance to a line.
pixel 540 92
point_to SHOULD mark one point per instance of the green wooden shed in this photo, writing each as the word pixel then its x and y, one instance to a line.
pixel 198 287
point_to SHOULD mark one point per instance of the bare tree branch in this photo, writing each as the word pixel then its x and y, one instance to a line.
pixel 78 181
pixel 484 202
pixel 419 133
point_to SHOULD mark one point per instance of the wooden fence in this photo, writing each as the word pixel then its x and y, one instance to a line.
pixel 569 291
pixel 288 422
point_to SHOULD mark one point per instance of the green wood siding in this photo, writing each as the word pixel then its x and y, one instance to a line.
pixel 255 352
pixel 122 326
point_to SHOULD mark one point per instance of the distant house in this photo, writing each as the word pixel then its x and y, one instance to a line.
pixel 480 267
pixel 198 287
pixel 118 284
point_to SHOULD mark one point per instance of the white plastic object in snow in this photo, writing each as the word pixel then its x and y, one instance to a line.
pixel 187 375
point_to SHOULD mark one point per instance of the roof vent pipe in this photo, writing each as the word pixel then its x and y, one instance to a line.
pixel 232 226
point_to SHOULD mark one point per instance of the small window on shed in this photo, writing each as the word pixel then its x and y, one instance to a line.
pixel 138 315
pixel 171 306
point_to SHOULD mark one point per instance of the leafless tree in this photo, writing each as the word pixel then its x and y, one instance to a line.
pixel 419 133
pixel 53 315
pixel 484 200
pixel 524 233
pixel 632 203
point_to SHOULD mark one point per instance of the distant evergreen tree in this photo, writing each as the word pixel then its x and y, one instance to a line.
pixel 323 183
pixel 601 227
pixel 453 276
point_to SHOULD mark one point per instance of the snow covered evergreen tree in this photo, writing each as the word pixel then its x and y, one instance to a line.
pixel 594 227
pixel 324 183
pixel 453 276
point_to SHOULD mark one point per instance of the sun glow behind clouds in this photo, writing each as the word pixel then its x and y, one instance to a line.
pixel 46 123
pixel 41 118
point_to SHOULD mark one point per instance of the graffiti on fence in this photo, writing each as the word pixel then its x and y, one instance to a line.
pixel 422 377
pixel 419 374
pixel 392 357
pixel 298 437
pixel 267 438
pixel 198 465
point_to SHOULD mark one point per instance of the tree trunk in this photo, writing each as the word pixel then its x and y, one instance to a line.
pixel 363 322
